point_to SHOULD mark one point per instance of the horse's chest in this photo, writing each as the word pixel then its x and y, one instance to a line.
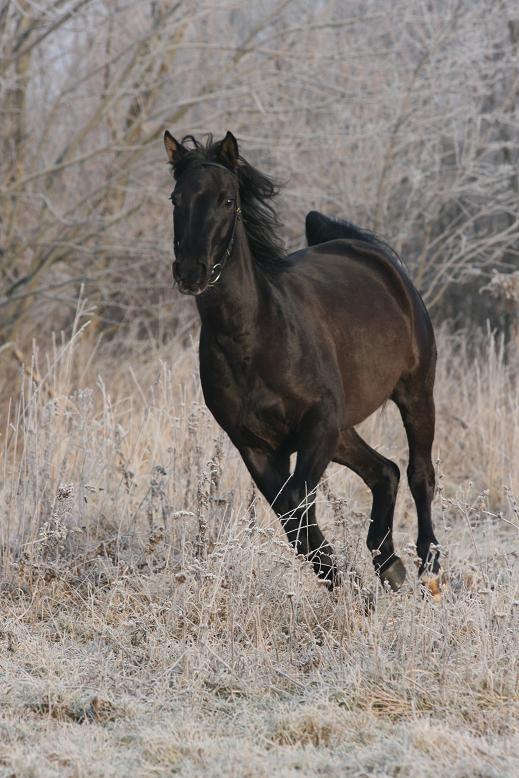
pixel 243 403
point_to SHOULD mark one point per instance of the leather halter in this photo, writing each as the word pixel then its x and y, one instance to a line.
pixel 218 267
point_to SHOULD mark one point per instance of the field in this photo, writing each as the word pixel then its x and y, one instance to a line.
pixel 153 619
pixel 155 622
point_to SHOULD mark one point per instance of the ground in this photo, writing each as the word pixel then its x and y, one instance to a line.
pixel 155 622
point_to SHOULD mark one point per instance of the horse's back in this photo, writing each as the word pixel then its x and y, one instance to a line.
pixel 357 272
pixel 321 229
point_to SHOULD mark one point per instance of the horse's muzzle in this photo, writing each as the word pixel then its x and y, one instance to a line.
pixel 192 278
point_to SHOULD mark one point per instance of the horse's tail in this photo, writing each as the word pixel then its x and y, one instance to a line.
pixel 321 228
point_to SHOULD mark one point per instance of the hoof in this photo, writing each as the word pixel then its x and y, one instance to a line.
pixel 433 584
pixel 368 601
pixel 327 575
pixel 325 570
pixel 394 574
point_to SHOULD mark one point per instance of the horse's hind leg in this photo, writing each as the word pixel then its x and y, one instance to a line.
pixel 382 477
pixel 416 405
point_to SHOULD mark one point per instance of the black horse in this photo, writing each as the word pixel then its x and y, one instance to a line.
pixel 296 350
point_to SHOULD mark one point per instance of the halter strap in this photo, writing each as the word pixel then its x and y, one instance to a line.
pixel 218 267
pixel 216 164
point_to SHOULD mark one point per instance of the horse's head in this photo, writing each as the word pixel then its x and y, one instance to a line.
pixel 205 211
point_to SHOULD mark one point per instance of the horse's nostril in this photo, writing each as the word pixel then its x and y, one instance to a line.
pixel 179 273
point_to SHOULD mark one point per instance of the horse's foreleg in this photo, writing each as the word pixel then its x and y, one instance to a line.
pixel 294 507
pixel 316 442
pixel 293 497
pixel 382 477
pixel 270 472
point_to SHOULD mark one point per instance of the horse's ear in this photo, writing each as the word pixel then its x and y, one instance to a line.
pixel 229 149
pixel 174 149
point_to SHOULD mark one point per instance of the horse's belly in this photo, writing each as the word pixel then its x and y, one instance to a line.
pixel 371 361
pixel 368 383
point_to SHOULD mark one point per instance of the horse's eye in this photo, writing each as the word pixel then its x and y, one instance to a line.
pixel 229 203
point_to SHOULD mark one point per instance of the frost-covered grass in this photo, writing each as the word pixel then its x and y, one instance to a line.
pixel 154 620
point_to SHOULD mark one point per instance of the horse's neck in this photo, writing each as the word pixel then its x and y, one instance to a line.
pixel 231 307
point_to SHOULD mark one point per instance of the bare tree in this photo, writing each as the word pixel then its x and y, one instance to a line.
pixel 408 128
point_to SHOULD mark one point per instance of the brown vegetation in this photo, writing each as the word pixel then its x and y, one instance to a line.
pixel 153 619
pixel 402 122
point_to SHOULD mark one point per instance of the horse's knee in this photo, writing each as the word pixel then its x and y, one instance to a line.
pixel 421 476
pixel 293 499
pixel 387 483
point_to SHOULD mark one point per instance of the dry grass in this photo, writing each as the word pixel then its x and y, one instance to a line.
pixel 154 620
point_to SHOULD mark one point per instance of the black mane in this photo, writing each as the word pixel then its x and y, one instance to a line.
pixel 256 190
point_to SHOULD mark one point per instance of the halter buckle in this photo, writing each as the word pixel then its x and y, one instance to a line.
pixel 216 272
